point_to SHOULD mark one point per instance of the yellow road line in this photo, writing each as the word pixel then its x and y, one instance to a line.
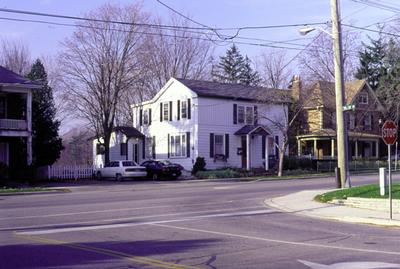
pixel 112 253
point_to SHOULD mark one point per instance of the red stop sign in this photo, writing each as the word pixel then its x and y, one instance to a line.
pixel 389 132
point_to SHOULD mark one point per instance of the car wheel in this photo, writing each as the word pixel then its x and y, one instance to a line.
pixel 98 175
pixel 118 177
pixel 154 176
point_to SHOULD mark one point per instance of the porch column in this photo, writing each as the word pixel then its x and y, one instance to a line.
pixel 248 152
pixel 377 148
pixel 298 147
pixel 29 110
pixel 332 148
pixel 356 148
pixel 315 148
pixel 266 153
pixel 29 149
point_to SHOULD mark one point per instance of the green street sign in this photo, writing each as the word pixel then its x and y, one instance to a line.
pixel 349 107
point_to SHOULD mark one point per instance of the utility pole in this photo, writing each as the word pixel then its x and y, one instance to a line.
pixel 342 155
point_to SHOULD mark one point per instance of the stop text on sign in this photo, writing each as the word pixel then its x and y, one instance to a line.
pixel 390 132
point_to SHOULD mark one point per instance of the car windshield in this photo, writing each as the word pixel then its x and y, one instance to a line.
pixel 129 163
pixel 165 162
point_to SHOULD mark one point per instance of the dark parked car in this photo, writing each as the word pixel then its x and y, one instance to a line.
pixel 162 169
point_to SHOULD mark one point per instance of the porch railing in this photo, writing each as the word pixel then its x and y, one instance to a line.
pixel 13 124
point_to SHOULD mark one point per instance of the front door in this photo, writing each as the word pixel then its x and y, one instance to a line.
pixel 136 153
pixel 244 152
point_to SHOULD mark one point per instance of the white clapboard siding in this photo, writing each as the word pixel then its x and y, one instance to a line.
pixel 70 172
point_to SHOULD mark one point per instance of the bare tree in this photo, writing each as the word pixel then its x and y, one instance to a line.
pixel 15 55
pixel 273 70
pixel 178 53
pixel 316 62
pixel 100 63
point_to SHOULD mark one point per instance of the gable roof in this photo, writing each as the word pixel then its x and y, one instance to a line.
pixel 235 91
pixel 324 92
pixel 8 77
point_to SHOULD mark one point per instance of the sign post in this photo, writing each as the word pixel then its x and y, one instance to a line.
pixel 389 136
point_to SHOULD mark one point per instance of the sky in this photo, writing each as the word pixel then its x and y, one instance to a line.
pixel 44 40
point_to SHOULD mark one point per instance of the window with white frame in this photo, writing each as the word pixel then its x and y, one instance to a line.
pixel 363 98
pixel 368 121
pixel 184 109
pixel 178 145
pixel 249 115
pixel 352 121
pixel 219 148
pixel 241 114
pixel 166 111
pixel 146 117
pixel 245 114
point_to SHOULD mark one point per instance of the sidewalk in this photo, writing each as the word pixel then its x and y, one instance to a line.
pixel 302 203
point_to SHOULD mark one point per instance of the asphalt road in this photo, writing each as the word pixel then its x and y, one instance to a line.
pixel 184 224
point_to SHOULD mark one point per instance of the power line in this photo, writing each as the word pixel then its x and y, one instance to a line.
pixel 148 24
pixel 370 30
pixel 382 6
pixel 270 44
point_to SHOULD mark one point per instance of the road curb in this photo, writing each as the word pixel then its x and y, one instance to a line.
pixel 271 202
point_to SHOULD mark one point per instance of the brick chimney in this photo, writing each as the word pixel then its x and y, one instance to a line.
pixel 295 86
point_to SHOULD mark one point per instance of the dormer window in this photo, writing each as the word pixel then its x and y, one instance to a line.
pixel 363 99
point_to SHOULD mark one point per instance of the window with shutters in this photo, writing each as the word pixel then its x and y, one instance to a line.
pixel 178 145
pixel 219 148
pixel 184 109
pixel 245 114
pixel 146 117
pixel 352 121
pixel 249 115
pixel 166 111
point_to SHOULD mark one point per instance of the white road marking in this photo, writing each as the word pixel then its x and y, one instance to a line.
pixel 294 243
pixel 122 219
pixel 111 226
pixel 351 265
pixel 108 210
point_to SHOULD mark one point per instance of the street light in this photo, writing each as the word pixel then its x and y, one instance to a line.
pixel 341 135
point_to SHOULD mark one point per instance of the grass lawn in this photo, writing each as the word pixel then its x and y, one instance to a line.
pixel 16 190
pixel 366 191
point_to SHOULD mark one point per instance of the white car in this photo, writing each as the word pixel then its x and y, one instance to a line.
pixel 120 170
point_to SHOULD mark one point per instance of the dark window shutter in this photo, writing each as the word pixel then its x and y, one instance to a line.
pixel 179 110
pixel 168 142
pixel 276 147
pixel 189 110
pixel 227 145
pixel 188 144
pixel 211 145
pixel 144 148
pixel 149 116
pixel 140 117
pixel 255 115
pixel 161 111
pixel 170 110
pixel 264 138
pixel 234 113
pixel 153 147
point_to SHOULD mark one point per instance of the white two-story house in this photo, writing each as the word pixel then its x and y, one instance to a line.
pixel 227 124
pixel 15 119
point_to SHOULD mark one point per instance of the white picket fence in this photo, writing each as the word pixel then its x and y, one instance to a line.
pixel 66 172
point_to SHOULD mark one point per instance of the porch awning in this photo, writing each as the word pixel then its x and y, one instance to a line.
pixel 330 133
pixel 129 131
pixel 253 129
